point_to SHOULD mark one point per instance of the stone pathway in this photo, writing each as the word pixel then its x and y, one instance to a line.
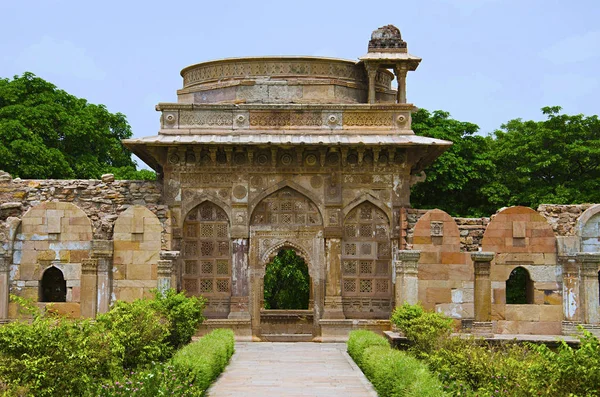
pixel 291 369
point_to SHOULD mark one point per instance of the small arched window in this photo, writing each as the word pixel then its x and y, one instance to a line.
pixel 53 286
pixel 519 287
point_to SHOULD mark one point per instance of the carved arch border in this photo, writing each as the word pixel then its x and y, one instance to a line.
pixel 201 198
pixel 584 218
pixel 280 185
pixel 367 197
pixel 273 250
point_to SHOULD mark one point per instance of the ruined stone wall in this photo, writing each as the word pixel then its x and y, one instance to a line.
pixel 101 200
pixel 563 218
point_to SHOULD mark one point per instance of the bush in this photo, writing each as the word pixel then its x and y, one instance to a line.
pixel 160 380
pixel 54 356
pixel 202 361
pixel 139 332
pixel 424 329
pixel 184 315
pixel 392 373
pixel 360 340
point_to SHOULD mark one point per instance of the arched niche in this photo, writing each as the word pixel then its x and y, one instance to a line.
pixel 366 263
pixel 519 287
pixel 588 229
pixel 53 286
pixel 206 256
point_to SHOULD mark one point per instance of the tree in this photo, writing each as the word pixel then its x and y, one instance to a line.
pixel 556 160
pixel 456 182
pixel 48 133
pixel 287 283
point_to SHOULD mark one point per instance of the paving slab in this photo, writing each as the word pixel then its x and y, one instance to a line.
pixel 291 369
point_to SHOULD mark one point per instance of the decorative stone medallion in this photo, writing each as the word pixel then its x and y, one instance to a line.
pixel 311 160
pixel 316 182
pixel 239 192
pixel 437 229
pixel 286 159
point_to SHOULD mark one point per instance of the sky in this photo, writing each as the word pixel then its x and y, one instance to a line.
pixel 484 61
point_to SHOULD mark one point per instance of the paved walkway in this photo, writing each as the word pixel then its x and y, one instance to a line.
pixel 291 369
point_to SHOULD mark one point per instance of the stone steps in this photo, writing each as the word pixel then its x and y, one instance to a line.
pixel 287 337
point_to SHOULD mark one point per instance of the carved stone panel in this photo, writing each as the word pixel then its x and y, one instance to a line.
pixel 366 258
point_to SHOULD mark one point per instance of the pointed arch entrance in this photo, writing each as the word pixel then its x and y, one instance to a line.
pixel 286 219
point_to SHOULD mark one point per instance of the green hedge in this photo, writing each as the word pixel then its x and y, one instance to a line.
pixel 392 373
pixel 206 358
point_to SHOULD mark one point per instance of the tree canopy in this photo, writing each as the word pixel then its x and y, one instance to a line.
pixel 287 282
pixel 47 133
pixel 553 161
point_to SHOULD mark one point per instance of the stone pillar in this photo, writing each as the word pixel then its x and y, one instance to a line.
pixel 102 251
pixel 333 289
pixel 589 275
pixel 401 77
pixel 256 294
pixel 571 288
pixel 4 285
pixel 88 300
pixel 407 281
pixel 371 73
pixel 165 269
pixel 238 308
pixel 483 292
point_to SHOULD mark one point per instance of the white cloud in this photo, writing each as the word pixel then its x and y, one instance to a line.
pixel 63 58
pixel 574 48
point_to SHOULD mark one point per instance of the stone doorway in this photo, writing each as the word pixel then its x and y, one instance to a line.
pixel 292 317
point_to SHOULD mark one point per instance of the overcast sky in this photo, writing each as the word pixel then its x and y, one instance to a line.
pixel 484 61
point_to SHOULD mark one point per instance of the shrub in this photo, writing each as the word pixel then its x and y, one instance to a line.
pixel 184 314
pixel 206 358
pixel 392 373
pixel 425 330
pixel 139 333
pixel 54 356
pixel 160 380
pixel 360 340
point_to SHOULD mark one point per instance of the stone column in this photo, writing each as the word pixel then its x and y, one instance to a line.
pixel 407 281
pixel 333 290
pixel 102 251
pixel 238 308
pixel 571 288
pixel 371 73
pixel 4 285
pixel 89 288
pixel 401 77
pixel 483 292
pixel 165 269
pixel 589 274
pixel 256 294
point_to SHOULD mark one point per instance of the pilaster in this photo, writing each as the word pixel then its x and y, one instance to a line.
pixel 165 270
pixel 4 285
pixel 333 291
pixel 571 287
pixel 102 252
pixel 239 303
pixel 89 288
pixel 407 283
pixel 483 292
pixel 589 279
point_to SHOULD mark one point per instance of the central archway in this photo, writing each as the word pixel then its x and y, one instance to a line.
pixel 286 219
pixel 286 282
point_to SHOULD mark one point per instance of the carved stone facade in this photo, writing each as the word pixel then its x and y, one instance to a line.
pixel 311 154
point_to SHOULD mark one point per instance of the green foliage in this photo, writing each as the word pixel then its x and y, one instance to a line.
pixel 131 174
pixel 54 356
pixel 456 180
pixel 287 283
pixel 424 329
pixel 160 380
pixel 360 340
pixel 140 332
pixel 552 161
pixel 202 361
pixel 392 373
pixel 48 133
pixel 528 163
pixel 184 315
